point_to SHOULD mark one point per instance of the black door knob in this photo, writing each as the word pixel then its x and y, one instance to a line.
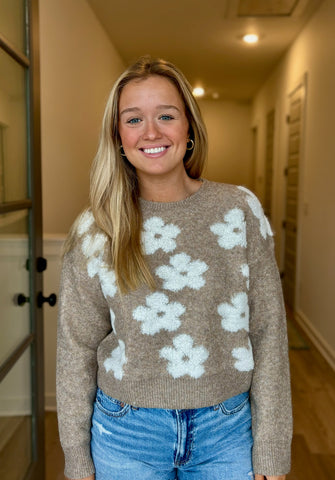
pixel 41 264
pixel 51 299
pixel 20 299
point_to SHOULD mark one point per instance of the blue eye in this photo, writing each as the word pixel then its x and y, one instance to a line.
pixel 166 117
pixel 133 121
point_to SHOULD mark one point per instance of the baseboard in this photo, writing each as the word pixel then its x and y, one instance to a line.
pixel 15 406
pixel 316 338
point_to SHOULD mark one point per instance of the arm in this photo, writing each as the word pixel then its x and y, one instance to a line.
pixel 270 389
pixel 82 323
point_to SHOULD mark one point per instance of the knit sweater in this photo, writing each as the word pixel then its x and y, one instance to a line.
pixel 214 327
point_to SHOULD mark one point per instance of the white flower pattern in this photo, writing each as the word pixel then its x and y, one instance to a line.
pixel 158 314
pixel 93 249
pixel 107 280
pixel 93 266
pixel 85 221
pixel 235 315
pixel 158 235
pixel 183 358
pixel 93 245
pixel 116 361
pixel 244 357
pixel 182 272
pixel 232 232
pixel 257 210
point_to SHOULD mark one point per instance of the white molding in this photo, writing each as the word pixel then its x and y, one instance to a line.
pixel 316 338
pixel 14 245
pixel 53 244
pixel 15 405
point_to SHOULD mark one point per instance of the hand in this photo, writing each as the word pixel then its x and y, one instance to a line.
pixel 271 477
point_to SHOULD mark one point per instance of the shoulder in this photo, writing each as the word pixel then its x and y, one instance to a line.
pixel 85 239
pixel 84 222
pixel 227 197
pixel 228 194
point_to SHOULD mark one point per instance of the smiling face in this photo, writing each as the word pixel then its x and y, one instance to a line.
pixel 153 128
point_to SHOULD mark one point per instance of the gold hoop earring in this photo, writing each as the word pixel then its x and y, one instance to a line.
pixel 122 151
pixel 192 144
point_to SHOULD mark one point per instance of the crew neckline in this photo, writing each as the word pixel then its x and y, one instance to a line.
pixel 178 203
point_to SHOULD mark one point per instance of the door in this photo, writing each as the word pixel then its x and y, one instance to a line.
pixel 295 126
pixel 21 263
pixel 269 152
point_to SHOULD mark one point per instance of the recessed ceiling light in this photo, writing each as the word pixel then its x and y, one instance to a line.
pixel 250 38
pixel 198 92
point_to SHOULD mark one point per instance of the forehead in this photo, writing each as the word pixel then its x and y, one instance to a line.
pixel 150 89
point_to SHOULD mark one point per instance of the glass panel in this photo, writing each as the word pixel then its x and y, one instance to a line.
pixel 14 279
pixel 16 421
pixel 13 130
pixel 12 22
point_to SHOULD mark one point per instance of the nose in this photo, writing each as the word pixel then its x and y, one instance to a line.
pixel 151 131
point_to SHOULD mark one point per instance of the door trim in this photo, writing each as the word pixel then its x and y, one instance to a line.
pixel 300 83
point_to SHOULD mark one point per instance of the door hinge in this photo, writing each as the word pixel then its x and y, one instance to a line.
pixel 284 224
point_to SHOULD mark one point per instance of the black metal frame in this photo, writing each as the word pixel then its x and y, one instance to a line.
pixel 34 340
pixel 36 228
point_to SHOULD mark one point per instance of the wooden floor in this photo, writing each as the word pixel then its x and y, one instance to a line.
pixel 313 392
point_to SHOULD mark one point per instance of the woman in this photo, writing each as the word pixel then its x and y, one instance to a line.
pixel 172 348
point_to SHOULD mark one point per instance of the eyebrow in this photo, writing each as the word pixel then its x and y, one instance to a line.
pixel 159 107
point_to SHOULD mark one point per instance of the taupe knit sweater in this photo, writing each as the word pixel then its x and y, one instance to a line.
pixel 215 327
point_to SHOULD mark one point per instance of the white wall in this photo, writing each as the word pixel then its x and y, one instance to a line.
pixel 229 136
pixel 14 321
pixel 52 247
pixel 79 65
pixel 313 53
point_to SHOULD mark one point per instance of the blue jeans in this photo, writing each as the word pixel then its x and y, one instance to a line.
pixel 212 443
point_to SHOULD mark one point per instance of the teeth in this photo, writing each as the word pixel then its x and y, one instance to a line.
pixel 154 150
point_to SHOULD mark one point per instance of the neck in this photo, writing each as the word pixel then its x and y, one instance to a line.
pixel 168 190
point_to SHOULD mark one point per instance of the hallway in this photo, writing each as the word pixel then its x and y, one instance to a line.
pixel 313 392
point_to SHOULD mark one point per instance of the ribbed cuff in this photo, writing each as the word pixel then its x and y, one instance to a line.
pixel 271 458
pixel 78 462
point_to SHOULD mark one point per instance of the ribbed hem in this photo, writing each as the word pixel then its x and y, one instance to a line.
pixel 180 393
pixel 271 458
pixel 78 462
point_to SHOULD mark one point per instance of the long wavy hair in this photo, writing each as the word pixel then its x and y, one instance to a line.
pixel 114 190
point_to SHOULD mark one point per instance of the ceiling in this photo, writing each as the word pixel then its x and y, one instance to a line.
pixel 203 37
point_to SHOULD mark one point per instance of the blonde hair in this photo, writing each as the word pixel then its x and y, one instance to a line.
pixel 114 192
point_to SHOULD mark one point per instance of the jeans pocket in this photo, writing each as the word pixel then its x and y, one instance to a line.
pixel 110 406
pixel 234 404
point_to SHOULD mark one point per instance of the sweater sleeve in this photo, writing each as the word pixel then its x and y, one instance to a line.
pixel 82 324
pixel 270 389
